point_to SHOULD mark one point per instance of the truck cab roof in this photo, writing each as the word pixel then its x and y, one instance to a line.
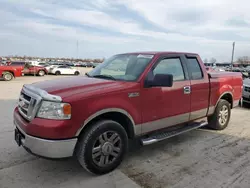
pixel 161 53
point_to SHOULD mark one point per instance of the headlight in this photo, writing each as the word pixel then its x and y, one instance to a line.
pixel 54 110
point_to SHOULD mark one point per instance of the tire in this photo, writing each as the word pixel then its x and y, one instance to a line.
pixel 77 73
pixel 219 120
pixel 90 139
pixel 41 73
pixel 57 73
pixel 7 76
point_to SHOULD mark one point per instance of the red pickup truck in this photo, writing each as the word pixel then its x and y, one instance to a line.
pixel 29 69
pixel 8 73
pixel 149 96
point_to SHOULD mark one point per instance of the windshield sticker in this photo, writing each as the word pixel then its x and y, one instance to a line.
pixel 145 56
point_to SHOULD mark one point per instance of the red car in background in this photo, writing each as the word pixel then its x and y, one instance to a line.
pixel 29 69
pixel 8 73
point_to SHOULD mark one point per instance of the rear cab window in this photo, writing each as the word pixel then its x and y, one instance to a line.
pixel 194 68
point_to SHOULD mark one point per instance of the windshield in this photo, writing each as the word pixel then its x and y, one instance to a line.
pixel 127 67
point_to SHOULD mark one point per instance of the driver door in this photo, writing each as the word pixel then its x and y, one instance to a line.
pixel 167 106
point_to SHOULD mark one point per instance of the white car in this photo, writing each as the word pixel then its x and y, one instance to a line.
pixel 49 68
pixel 62 69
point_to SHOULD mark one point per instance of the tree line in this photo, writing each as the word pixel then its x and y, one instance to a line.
pixel 242 60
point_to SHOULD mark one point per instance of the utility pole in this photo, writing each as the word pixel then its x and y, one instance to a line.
pixel 77 49
pixel 232 56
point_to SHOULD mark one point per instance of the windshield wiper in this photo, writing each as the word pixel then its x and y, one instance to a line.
pixel 104 76
pixel 87 74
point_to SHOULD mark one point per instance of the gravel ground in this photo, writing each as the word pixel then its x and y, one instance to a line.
pixel 201 158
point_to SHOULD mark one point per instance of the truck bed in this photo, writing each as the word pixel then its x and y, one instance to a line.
pixel 224 74
pixel 225 82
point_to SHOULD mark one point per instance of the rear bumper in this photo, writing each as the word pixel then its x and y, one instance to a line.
pixel 47 148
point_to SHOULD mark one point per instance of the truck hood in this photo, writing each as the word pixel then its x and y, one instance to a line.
pixel 65 87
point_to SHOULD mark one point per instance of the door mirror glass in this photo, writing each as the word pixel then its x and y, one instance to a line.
pixel 161 80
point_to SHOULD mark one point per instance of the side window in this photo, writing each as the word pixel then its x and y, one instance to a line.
pixel 170 66
pixel 194 68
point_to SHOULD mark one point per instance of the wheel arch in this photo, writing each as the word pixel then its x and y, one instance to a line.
pixel 9 71
pixel 228 96
pixel 116 114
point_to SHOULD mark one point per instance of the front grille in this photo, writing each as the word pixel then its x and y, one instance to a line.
pixel 246 99
pixel 30 101
pixel 247 89
pixel 26 105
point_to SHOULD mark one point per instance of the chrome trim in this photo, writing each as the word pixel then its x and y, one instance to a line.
pixel 149 140
pixel 48 148
pixel 42 93
pixel 136 128
pixel 198 114
pixel 163 123
pixel 136 94
pixel 246 88
pixel 245 101
pixel 223 95
pixel 36 96
pixel 33 104
pixel 187 89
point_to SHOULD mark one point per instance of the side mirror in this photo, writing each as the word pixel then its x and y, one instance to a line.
pixel 160 80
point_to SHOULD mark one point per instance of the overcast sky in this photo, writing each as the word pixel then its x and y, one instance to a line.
pixel 106 27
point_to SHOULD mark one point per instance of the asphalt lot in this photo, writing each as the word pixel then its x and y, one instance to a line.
pixel 201 158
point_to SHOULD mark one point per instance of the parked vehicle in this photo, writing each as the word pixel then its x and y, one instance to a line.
pixel 42 64
pixel 65 70
pixel 8 73
pixel 86 64
pixel 17 63
pixel 246 91
pixel 95 64
pixel 34 70
pixel 159 95
pixel 49 68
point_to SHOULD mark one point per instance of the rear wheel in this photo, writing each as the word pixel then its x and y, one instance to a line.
pixel 41 73
pixel 57 73
pixel 77 73
pixel 220 119
pixel 102 147
pixel 7 76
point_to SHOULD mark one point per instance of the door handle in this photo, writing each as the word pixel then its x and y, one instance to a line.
pixel 187 89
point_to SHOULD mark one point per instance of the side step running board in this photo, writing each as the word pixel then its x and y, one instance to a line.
pixel 156 137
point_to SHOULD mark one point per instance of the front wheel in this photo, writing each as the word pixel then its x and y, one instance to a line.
pixel 77 73
pixel 41 73
pixel 57 73
pixel 7 76
pixel 220 119
pixel 102 147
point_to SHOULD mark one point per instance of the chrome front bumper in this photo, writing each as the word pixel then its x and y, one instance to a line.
pixel 44 147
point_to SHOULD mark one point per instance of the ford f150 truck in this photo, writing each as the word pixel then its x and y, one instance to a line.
pixel 8 73
pixel 148 96
pixel 34 70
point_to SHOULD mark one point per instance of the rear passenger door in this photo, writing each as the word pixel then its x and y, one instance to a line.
pixel 199 88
